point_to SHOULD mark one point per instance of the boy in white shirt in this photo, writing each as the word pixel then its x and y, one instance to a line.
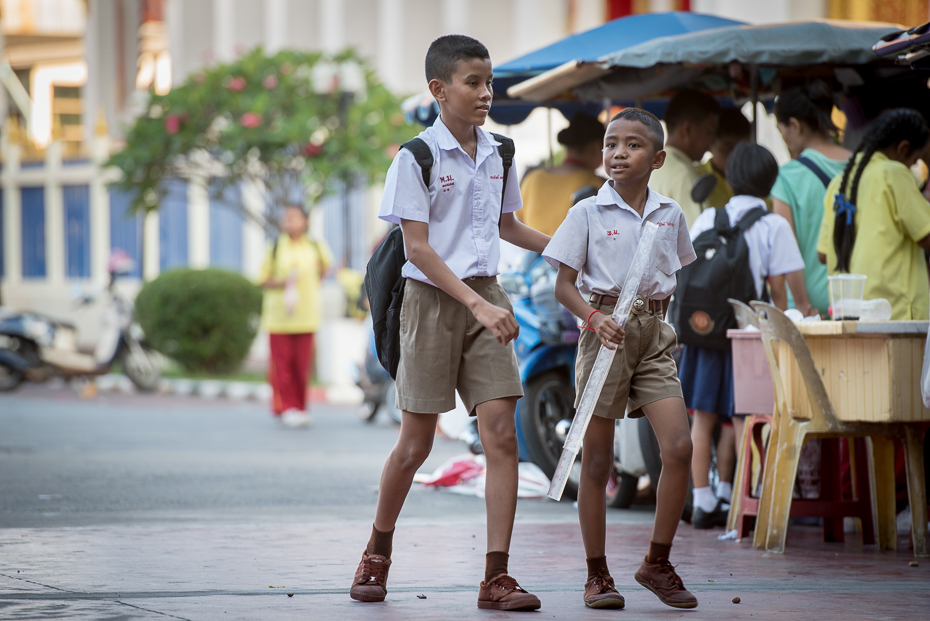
pixel 598 240
pixel 707 374
pixel 457 323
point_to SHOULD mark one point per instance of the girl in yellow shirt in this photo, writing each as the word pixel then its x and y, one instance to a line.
pixel 878 196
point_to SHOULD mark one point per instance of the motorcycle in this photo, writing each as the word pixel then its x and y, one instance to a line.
pixel 376 384
pixel 545 350
pixel 35 347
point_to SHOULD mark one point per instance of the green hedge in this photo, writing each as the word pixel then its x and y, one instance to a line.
pixel 206 320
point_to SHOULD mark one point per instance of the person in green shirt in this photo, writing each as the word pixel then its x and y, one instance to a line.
pixel 803 118
pixel 878 195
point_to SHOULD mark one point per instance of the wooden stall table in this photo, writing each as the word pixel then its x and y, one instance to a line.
pixel 845 379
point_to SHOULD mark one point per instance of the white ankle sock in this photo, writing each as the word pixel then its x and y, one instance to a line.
pixel 705 499
pixel 724 491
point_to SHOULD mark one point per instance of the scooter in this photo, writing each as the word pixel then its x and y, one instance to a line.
pixel 36 347
pixel 545 350
pixel 376 384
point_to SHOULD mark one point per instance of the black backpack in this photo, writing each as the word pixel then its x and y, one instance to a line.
pixel 701 314
pixel 383 281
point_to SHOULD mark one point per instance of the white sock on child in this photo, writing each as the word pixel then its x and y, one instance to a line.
pixel 724 491
pixel 705 499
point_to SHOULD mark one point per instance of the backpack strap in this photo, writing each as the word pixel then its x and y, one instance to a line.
pixel 751 218
pixel 817 170
pixel 721 220
pixel 507 151
pixel 422 155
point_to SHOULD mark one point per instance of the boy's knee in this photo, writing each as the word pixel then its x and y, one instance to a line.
pixel 500 437
pixel 411 456
pixel 596 466
pixel 679 455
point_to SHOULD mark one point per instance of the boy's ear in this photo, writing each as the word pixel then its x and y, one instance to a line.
pixel 904 150
pixel 658 160
pixel 437 89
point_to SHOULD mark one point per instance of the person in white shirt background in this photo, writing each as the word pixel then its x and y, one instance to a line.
pixel 707 374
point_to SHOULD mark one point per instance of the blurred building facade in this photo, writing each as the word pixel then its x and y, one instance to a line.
pixel 74 72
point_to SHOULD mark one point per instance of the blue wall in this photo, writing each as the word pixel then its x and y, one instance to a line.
pixel 226 229
pixel 126 229
pixel 172 225
pixel 77 230
pixel 33 221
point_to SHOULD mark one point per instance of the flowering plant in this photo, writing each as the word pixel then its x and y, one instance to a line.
pixel 295 118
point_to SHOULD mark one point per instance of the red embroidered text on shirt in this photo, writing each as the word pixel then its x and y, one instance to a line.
pixel 665 224
pixel 613 232
pixel 497 176
pixel 447 182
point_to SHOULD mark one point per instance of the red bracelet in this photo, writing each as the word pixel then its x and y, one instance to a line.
pixel 588 320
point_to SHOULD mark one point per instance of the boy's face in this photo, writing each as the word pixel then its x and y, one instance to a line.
pixel 721 149
pixel 466 98
pixel 629 153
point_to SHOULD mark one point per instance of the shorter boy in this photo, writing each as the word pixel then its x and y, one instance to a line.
pixel 598 240
pixel 707 374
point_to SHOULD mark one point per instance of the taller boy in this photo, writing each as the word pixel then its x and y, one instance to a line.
pixel 456 322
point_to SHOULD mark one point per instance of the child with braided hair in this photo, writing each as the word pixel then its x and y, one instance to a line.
pixel 878 196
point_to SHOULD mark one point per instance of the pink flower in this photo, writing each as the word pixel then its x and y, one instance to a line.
pixel 236 84
pixel 172 123
pixel 270 82
pixel 250 120
pixel 312 150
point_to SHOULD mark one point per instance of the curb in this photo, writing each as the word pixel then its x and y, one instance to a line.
pixel 235 391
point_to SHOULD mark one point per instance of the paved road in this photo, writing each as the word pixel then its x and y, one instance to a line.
pixel 133 460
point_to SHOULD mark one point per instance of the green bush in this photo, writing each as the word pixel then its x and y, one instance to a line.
pixel 206 320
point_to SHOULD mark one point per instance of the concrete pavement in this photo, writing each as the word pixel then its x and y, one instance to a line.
pixel 164 508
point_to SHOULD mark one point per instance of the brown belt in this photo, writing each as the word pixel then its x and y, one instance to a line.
pixel 641 304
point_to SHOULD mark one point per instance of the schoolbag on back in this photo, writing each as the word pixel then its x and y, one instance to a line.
pixel 701 314
pixel 383 281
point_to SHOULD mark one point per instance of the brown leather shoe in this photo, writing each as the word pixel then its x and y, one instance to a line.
pixel 662 580
pixel 599 592
pixel 371 578
pixel 503 593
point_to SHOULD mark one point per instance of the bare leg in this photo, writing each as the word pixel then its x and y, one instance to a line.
pixel 726 454
pixel 702 436
pixel 669 420
pixel 412 449
pixel 597 458
pixel 498 433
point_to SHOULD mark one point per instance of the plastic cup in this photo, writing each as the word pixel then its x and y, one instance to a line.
pixel 846 292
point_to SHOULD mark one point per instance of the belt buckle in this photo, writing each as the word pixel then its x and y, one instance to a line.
pixel 639 305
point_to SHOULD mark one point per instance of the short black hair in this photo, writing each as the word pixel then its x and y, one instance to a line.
pixel 581 130
pixel 302 209
pixel 734 124
pixel 445 53
pixel 751 170
pixel 653 126
pixel 690 105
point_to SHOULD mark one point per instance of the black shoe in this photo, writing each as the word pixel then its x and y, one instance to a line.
pixel 709 519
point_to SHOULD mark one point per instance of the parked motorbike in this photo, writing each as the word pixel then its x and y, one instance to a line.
pixel 376 384
pixel 36 347
pixel 545 351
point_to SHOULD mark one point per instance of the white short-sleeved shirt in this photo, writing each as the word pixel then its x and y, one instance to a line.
pixel 462 204
pixel 773 249
pixel 599 238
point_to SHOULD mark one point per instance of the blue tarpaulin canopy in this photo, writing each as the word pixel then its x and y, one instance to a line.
pixel 588 46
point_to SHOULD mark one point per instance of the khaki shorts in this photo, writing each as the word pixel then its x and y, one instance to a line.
pixel 444 348
pixel 643 370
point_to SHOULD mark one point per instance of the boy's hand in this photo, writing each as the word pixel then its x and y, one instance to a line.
pixel 501 322
pixel 610 333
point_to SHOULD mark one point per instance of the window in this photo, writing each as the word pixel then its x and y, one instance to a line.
pixel 226 229
pixel 172 225
pixel 77 230
pixel 33 219
pixel 126 229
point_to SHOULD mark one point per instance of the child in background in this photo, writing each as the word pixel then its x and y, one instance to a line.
pixel 598 240
pixel 877 194
pixel 733 129
pixel 707 374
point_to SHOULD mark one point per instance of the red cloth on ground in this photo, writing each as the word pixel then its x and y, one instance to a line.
pixel 288 370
